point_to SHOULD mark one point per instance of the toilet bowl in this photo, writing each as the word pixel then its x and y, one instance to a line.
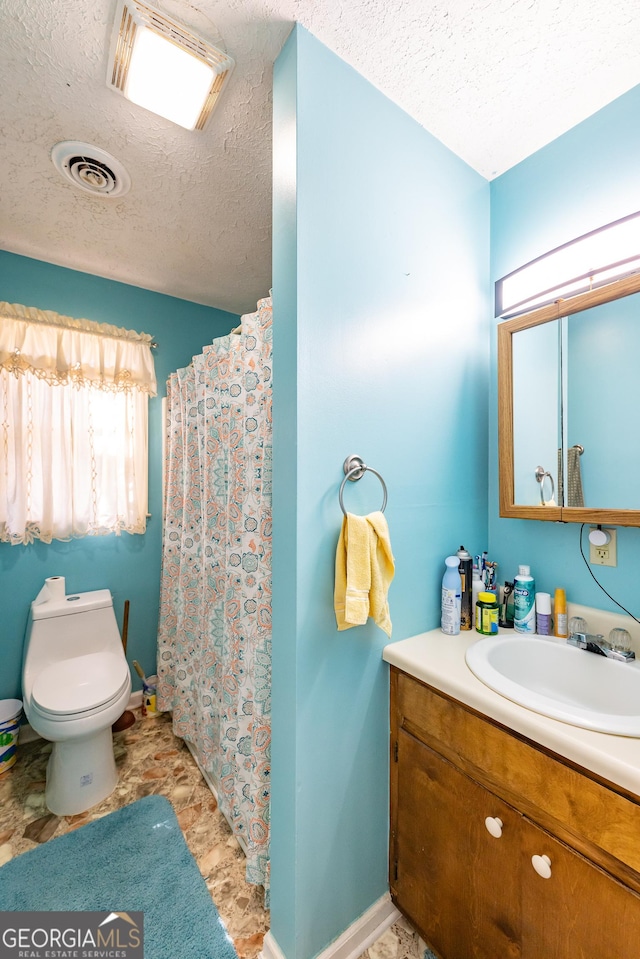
pixel 76 683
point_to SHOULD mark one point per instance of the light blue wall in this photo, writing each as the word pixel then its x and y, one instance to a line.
pixel 128 565
pixel 381 333
pixel 584 179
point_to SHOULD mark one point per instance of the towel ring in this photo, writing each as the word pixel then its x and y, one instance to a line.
pixel 354 469
pixel 541 475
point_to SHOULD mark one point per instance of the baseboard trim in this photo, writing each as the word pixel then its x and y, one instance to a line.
pixel 29 735
pixel 135 700
pixel 270 948
pixel 354 940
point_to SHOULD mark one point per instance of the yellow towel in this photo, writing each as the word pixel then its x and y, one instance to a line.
pixel 364 570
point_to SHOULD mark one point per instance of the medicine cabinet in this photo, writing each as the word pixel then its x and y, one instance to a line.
pixel 568 409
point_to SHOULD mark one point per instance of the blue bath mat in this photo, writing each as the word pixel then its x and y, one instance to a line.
pixel 133 860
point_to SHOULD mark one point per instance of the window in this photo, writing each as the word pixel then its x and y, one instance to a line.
pixel 73 426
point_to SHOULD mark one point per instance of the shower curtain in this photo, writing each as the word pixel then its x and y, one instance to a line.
pixel 214 634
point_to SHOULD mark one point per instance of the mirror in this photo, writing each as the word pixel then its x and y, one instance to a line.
pixel 536 413
pixel 568 395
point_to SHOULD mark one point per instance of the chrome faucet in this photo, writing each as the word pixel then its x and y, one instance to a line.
pixel 596 643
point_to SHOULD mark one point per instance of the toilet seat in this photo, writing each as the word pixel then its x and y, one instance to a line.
pixel 80 685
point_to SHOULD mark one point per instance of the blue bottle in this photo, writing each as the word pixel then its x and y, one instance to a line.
pixel 524 595
pixel 451 597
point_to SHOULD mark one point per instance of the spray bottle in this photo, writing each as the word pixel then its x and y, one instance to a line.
pixel 465 570
pixel 451 597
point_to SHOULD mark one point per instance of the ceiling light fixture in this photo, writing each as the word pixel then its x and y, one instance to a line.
pixel 590 261
pixel 160 65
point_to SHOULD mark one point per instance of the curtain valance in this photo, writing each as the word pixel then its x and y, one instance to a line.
pixel 64 350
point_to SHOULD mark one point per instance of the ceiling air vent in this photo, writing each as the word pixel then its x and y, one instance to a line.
pixel 90 168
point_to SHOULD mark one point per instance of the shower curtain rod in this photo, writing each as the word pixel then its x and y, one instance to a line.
pixel 238 329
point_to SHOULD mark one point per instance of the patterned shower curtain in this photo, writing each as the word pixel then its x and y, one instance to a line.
pixel 214 634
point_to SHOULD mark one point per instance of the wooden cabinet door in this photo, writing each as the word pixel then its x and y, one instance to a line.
pixel 458 885
pixel 579 912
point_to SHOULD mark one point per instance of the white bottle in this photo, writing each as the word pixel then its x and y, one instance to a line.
pixel 543 614
pixel 477 587
pixel 451 597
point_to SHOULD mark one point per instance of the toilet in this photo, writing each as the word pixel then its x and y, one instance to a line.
pixel 76 683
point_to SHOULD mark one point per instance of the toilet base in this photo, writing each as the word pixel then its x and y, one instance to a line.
pixel 80 773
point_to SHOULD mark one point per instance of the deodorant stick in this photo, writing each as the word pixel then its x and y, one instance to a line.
pixel 543 614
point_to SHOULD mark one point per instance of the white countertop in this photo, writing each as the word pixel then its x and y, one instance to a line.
pixel 438 660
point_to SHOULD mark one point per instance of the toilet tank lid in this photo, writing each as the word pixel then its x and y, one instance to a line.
pixel 74 603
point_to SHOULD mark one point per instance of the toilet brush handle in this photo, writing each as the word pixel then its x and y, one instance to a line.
pixel 125 625
pixel 138 668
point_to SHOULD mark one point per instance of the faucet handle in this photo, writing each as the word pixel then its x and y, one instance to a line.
pixel 620 640
pixel 577 625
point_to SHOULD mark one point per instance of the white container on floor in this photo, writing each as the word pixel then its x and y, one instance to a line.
pixel 10 716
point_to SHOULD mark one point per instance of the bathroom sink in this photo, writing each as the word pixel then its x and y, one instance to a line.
pixel 551 677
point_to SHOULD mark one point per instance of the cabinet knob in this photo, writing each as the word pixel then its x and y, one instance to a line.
pixel 542 865
pixel 494 826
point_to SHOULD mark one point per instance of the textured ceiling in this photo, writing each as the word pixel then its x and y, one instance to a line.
pixel 493 79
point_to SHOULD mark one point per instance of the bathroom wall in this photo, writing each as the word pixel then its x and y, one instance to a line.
pixel 128 565
pixel 381 337
pixel 580 181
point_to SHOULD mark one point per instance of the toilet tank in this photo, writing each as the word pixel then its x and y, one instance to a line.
pixel 80 623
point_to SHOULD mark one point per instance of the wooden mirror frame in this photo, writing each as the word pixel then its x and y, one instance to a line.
pixel 554 311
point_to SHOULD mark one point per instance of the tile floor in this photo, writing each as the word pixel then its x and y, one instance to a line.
pixel 400 941
pixel 152 760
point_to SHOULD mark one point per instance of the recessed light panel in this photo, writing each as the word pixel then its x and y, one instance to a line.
pixel 160 65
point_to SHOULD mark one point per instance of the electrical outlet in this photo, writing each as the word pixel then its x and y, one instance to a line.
pixel 604 555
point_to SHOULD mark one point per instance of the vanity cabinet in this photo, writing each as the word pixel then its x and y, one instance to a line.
pixel 475 810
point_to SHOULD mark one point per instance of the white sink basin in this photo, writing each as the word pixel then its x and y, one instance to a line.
pixel 551 677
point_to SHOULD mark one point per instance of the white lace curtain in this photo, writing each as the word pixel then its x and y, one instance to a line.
pixel 73 426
